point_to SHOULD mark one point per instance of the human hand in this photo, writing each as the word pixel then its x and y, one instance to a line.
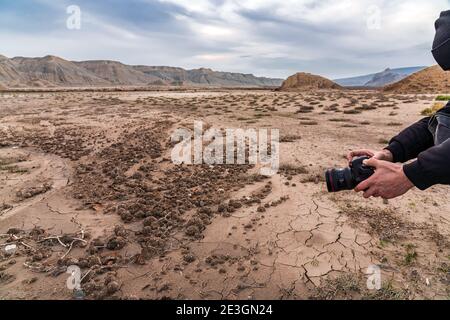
pixel 384 155
pixel 389 180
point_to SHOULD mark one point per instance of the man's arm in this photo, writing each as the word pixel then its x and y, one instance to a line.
pixel 410 142
pixel 431 167
pixel 392 180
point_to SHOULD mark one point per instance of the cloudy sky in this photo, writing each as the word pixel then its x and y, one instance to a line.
pixel 275 38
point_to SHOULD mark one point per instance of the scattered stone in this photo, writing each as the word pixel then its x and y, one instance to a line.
pixel 10 249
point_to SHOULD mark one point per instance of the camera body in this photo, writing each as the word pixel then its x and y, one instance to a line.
pixel 348 178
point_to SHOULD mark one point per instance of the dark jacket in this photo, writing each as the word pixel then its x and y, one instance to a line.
pixel 433 161
pixel 429 139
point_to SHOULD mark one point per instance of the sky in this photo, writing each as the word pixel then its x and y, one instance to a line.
pixel 273 38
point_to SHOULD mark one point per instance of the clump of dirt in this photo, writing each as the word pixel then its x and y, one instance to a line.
pixel 195 226
pixel 5 206
pixel 215 260
pixel 105 287
pixel 289 170
pixel 226 209
pixel 6 278
pixel 276 203
pixel 31 192
pixel 116 243
pixel 70 142
pixel 132 178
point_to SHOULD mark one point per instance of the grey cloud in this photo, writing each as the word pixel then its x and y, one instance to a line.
pixel 263 40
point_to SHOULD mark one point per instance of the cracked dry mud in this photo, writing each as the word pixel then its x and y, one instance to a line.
pixel 86 180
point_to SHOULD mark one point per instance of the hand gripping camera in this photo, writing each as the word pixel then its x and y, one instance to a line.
pixel 348 178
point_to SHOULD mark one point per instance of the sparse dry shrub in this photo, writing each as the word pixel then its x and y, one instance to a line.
pixel 428 112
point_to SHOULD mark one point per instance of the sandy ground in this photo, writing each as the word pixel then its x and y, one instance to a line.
pixel 86 180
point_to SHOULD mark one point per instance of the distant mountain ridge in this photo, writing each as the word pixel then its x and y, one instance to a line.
pixel 379 79
pixel 52 71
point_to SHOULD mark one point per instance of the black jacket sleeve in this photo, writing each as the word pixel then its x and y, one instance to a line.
pixel 410 142
pixel 431 167
pixel 433 162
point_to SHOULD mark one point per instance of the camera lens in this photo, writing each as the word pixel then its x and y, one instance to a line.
pixel 339 180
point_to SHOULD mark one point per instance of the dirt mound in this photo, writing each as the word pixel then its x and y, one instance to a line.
pixel 301 81
pixel 430 80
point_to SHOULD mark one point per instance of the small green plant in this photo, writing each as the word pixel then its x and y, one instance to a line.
pixel 388 292
pixel 384 243
pixel 411 254
pixel 442 98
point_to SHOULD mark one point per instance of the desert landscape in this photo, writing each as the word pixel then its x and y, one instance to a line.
pixel 87 181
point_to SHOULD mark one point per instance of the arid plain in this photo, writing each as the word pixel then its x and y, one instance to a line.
pixel 86 179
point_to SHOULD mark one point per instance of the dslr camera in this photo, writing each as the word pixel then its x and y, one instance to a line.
pixel 348 178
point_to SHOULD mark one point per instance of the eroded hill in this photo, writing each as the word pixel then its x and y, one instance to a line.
pixel 429 80
pixel 306 81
